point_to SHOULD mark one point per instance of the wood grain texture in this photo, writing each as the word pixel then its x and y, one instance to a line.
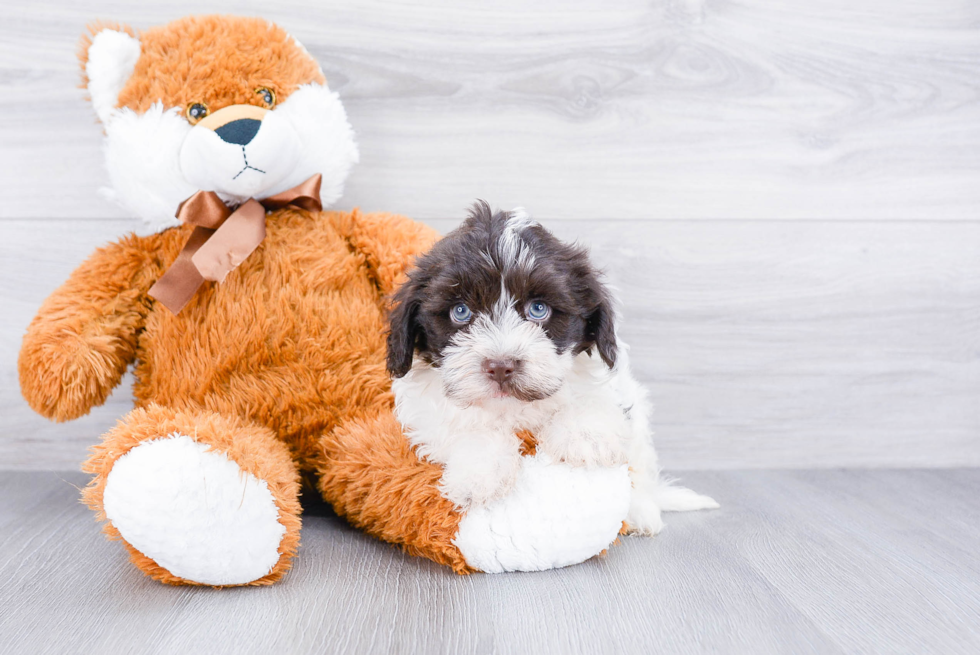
pixel 793 562
pixel 583 109
pixel 764 344
pixel 780 343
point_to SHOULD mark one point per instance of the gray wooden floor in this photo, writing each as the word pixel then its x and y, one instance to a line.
pixel 826 561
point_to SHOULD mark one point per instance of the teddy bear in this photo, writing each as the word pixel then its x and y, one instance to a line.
pixel 254 321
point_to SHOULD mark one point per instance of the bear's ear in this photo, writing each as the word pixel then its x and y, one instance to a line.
pixel 108 58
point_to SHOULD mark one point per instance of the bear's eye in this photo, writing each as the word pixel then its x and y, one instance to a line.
pixel 268 96
pixel 196 111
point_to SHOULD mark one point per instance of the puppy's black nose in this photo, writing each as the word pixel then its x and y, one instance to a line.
pixel 240 132
pixel 500 370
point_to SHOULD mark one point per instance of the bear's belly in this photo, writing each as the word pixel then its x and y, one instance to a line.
pixel 293 339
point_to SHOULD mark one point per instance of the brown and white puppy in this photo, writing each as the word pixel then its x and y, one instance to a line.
pixel 503 328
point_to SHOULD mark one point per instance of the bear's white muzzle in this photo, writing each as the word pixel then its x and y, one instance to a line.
pixel 240 151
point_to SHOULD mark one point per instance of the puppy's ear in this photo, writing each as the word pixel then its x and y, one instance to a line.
pixel 602 329
pixel 600 320
pixel 403 329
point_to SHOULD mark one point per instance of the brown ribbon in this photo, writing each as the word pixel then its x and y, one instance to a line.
pixel 222 239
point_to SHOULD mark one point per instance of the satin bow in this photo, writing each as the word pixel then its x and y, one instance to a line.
pixel 222 239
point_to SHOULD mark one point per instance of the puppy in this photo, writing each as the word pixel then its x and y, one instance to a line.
pixel 502 328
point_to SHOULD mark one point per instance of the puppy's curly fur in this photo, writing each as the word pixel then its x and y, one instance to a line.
pixel 503 328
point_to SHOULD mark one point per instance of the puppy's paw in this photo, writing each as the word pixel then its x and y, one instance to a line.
pixel 589 440
pixel 586 449
pixel 644 517
pixel 477 482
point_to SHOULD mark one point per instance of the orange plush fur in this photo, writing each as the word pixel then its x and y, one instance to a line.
pixel 217 60
pixel 281 366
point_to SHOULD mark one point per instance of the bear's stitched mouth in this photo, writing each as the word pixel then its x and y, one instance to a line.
pixel 247 167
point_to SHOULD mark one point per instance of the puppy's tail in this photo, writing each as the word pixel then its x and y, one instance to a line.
pixel 671 498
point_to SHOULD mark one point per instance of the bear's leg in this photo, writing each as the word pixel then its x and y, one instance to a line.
pixel 371 476
pixel 197 498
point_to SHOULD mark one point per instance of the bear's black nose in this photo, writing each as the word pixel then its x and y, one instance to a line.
pixel 240 131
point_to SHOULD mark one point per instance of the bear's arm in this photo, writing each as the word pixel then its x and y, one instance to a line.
pixel 390 244
pixel 85 333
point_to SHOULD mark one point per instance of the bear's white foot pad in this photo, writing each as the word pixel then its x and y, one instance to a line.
pixel 555 515
pixel 194 512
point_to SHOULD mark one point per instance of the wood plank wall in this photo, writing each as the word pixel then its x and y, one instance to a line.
pixel 785 193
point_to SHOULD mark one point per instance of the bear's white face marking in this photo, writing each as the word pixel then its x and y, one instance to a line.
pixel 243 157
pixel 156 160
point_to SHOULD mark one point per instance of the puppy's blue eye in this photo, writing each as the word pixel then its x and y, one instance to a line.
pixel 461 313
pixel 537 310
